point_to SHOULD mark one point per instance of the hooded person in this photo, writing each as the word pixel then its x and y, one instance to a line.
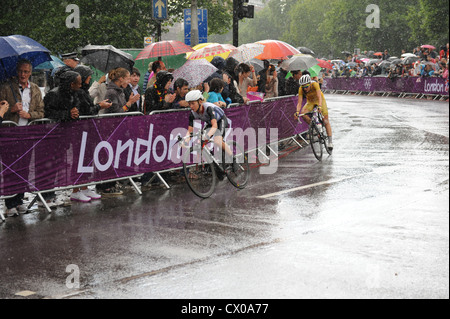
pixel 62 103
pixel 87 106
pixel 159 97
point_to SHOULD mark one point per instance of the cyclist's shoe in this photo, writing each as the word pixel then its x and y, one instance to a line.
pixel 330 146
pixel 220 175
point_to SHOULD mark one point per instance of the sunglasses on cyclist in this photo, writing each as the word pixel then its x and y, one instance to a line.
pixel 306 86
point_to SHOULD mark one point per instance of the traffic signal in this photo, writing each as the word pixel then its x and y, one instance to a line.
pixel 244 10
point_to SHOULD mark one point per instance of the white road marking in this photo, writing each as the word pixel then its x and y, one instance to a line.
pixel 332 181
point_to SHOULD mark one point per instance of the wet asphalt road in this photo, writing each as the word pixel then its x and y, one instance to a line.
pixel 371 221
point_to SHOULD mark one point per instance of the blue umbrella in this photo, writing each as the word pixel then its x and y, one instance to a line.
pixel 16 47
pixel 50 65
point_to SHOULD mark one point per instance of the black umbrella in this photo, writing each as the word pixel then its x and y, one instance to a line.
pixel 305 50
pixel 106 57
pixel 346 53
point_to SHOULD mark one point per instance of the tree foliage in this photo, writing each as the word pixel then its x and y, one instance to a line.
pixel 123 24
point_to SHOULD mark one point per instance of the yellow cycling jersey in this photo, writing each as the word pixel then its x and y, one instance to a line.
pixel 312 99
pixel 311 96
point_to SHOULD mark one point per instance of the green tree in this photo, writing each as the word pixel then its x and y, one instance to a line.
pixel 122 24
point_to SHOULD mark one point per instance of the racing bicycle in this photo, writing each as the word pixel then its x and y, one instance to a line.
pixel 317 132
pixel 202 169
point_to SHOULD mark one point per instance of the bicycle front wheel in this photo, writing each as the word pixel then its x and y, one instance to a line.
pixel 315 140
pixel 199 172
pixel 237 168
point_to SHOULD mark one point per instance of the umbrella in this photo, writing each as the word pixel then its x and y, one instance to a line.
pixel 324 64
pixel 194 71
pixel 306 50
pixel 428 46
pixel 396 61
pixel 211 51
pixel 378 53
pixel 257 64
pixel 248 51
pixel 314 70
pixel 385 64
pixel 275 49
pixel 352 64
pixel 407 55
pixel 374 61
pixel 346 53
pixel 106 57
pixel 410 59
pixel 392 58
pixel 50 65
pixel 164 48
pixel 16 47
pixel 299 62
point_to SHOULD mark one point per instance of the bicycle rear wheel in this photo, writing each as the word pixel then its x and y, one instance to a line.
pixel 238 168
pixel 315 140
pixel 199 172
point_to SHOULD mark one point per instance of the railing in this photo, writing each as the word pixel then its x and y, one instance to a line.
pixel 231 107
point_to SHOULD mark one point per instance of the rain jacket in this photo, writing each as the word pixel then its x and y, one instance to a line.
pixel 117 97
pixel 59 101
pixel 11 93
pixel 155 95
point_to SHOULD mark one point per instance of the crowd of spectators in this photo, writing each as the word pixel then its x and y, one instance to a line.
pixel 421 62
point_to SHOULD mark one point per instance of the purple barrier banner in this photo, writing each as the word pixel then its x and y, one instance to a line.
pixel 47 156
pixel 418 85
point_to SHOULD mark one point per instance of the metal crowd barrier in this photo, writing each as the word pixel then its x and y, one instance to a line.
pixel 156 174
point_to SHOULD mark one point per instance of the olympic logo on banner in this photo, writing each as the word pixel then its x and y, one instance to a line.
pixel 367 83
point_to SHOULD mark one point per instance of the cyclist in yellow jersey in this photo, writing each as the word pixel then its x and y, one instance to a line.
pixel 314 96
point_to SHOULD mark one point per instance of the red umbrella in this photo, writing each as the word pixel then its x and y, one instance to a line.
pixel 428 46
pixel 164 48
pixel 378 53
pixel 324 64
pixel 275 49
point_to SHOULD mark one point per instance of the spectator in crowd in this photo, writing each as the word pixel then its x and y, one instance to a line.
pixel 181 88
pixel 215 90
pixel 443 69
pixel 385 55
pixel 262 77
pixel 119 80
pixel 98 89
pixel 23 95
pixel 87 107
pixel 271 86
pixel 62 104
pixel 26 103
pixel 282 74
pixel 159 97
pixel 292 85
pixel 244 71
pixel 4 107
pixel 157 66
pixel 71 61
pixel 148 75
pixel 133 87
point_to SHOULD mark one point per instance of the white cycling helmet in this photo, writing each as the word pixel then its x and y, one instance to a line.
pixel 193 96
pixel 305 79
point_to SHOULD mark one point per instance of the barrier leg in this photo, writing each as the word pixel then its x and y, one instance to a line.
pixel 2 216
pixel 295 141
pixel 270 149
pixel 263 154
pixel 135 186
pixel 44 202
pixel 162 180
